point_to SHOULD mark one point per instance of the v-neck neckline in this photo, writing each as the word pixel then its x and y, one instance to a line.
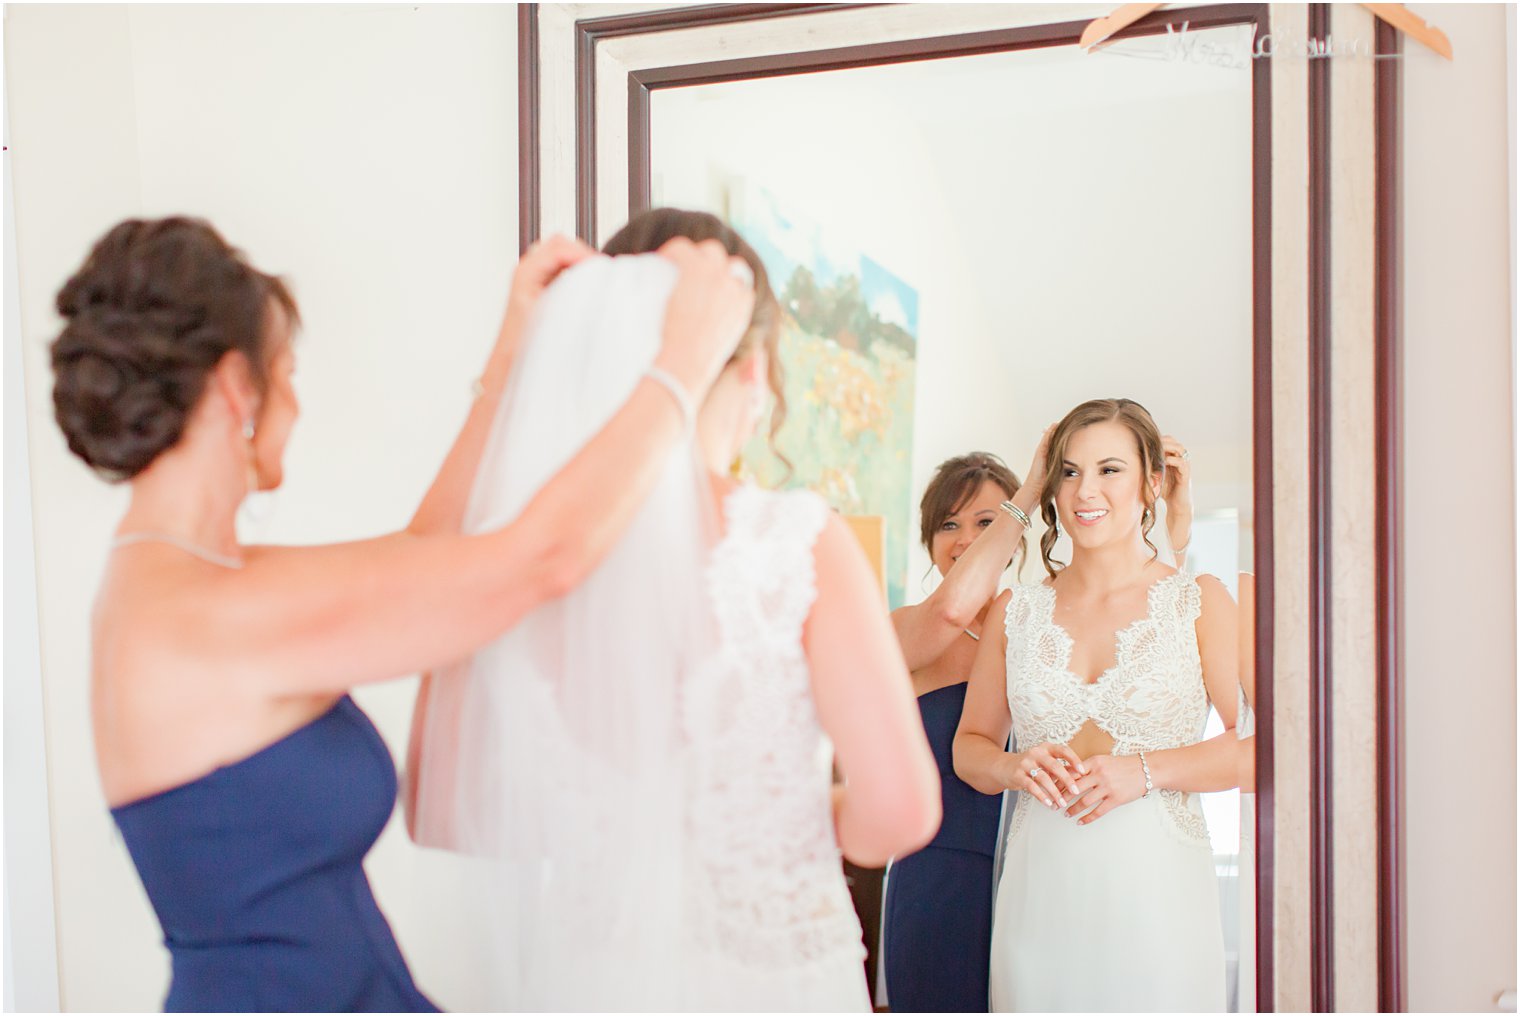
pixel 1119 634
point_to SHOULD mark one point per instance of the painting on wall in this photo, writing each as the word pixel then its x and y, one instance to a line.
pixel 849 340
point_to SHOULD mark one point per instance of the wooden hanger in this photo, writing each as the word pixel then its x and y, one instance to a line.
pixel 1397 15
pixel 1412 25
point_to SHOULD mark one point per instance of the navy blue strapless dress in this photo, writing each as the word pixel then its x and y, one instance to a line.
pixel 938 935
pixel 256 873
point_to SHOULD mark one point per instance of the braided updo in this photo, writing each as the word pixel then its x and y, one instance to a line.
pixel 153 309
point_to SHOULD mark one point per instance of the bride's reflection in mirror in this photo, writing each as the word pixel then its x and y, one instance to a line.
pixel 938 908
pixel 1105 674
pixel 1037 228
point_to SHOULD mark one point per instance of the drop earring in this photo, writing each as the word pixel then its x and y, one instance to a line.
pixel 251 456
pixel 258 505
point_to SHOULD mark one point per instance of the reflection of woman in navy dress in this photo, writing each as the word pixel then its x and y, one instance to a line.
pixel 938 910
pixel 246 784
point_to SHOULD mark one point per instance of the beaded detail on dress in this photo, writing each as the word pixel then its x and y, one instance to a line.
pixel 1152 698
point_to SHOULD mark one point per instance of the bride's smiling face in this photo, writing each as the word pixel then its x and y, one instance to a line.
pixel 1099 500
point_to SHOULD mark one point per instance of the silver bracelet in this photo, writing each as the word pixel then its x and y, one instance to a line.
pixel 683 401
pixel 1017 512
pixel 1146 766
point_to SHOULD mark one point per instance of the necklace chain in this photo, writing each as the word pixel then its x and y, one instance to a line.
pixel 195 550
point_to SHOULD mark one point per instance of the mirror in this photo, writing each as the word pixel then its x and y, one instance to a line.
pixel 969 247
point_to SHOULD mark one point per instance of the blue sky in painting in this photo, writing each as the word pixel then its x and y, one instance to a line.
pixel 785 241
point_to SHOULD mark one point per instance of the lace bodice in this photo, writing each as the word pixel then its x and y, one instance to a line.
pixel 766 886
pixel 1151 699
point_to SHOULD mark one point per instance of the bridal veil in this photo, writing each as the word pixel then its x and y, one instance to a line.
pixel 552 755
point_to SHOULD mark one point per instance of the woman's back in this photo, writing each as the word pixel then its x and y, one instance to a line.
pixel 773 923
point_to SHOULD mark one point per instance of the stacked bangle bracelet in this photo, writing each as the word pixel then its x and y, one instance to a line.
pixel 1016 512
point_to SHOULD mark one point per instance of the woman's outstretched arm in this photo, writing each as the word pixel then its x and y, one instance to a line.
pixel 309 620
pixel 925 630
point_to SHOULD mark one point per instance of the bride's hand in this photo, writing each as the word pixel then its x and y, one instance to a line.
pixel 1177 486
pixel 1049 772
pixel 1111 780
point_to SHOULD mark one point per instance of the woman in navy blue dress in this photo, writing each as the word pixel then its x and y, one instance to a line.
pixel 246 783
pixel 938 909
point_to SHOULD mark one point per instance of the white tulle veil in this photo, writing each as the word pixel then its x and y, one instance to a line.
pixel 552 755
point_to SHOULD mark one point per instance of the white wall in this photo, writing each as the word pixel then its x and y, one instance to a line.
pixel 1459 511
pixel 31 959
pixel 368 153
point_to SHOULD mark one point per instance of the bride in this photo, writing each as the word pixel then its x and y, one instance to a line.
pixel 1105 672
pixel 643 769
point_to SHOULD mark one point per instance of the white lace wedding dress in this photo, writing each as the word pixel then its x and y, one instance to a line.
pixel 1122 914
pixel 772 926
pixel 636 769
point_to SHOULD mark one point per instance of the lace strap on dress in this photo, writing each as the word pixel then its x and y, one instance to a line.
pixel 1016 616
pixel 1184 600
pixel 778 530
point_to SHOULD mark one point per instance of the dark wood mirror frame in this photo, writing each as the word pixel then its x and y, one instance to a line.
pixel 589 32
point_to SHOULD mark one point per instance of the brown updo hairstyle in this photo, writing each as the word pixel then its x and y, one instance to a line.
pixel 1147 439
pixel 956 482
pixel 153 309
pixel 649 231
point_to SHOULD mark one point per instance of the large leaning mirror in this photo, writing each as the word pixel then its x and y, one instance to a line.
pixel 966 249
